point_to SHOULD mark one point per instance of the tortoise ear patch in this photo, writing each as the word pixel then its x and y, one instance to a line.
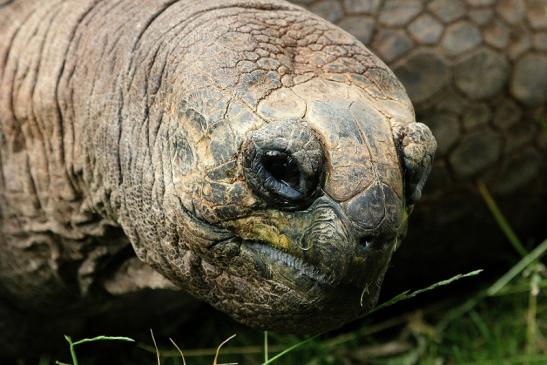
pixel 416 146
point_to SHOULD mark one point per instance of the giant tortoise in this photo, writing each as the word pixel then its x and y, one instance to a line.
pixel 252 153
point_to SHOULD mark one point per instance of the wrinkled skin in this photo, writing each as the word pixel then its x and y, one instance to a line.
pixel 255 155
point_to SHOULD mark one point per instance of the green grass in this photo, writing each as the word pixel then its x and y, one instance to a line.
pixel 494 331
pixel 72 345
pixel 505 328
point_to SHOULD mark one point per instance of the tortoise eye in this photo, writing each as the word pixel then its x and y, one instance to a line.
pixel 283 178
pixel 276 176
pixel 283 168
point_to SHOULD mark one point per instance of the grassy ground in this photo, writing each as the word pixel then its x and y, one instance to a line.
pixel 504 328
pixel 502 322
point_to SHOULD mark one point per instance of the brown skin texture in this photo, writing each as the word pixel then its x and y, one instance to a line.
pixel 153 124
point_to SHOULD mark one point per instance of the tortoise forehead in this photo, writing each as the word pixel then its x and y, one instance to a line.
pixel 252 54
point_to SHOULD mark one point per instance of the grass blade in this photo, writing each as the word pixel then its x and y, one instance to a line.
pixel 518 268
pixel 292 348
pixel 179 350
pixel 158 357
pixel 265 346
pixel 72 345
pixel 408 294
pixel 72 350
pixel 500 219
pixel 103 338
pixel 215 361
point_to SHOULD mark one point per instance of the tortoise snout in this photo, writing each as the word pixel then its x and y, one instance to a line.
pixel 283 164
pixel 375 215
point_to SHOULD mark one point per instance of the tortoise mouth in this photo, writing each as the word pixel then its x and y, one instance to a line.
pixel 302 250
pixel 281 262
pixel 276 264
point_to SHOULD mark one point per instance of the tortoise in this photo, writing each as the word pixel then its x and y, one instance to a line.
pixel 248 151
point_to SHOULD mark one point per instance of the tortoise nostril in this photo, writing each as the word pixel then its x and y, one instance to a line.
pixel 282 167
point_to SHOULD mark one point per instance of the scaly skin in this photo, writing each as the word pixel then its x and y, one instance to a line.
pixel 476 72
pixel 169 125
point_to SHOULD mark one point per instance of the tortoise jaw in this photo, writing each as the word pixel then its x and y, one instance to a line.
pixel 314 243
pixel 279 262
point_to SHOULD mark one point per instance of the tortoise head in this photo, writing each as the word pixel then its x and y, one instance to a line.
pixel 329 191
pixel 287 179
